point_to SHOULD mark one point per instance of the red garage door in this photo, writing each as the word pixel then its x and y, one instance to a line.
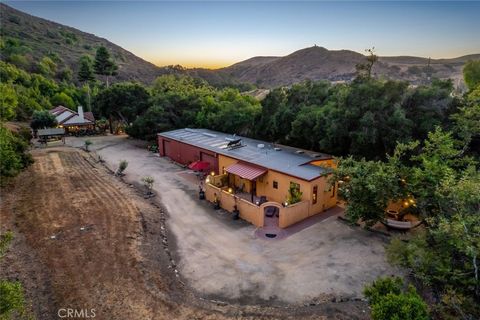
pixel 167 151
pixel 210 159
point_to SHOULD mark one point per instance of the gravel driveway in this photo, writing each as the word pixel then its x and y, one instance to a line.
pixel 222 259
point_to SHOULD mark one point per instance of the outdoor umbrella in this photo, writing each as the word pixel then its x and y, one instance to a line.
pixel 199 165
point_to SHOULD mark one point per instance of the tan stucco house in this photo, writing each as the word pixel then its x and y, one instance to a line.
pixel 255 177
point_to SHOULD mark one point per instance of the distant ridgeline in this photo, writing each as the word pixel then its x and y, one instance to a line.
pixel 36 38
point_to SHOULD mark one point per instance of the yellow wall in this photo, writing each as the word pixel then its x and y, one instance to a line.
pixel 248 211
pixel 293 214
pixel 325 200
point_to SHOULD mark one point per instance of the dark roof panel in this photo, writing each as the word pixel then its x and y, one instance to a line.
pixel 261 153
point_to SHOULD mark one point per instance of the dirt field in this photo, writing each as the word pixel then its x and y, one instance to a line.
pixel 327 260
pixel 85 239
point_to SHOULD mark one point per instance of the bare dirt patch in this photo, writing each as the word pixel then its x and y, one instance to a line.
pixel 85 239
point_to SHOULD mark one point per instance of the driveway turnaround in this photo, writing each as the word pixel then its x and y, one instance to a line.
pixel 223 259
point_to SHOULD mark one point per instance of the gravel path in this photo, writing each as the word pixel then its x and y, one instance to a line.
pixel 223 259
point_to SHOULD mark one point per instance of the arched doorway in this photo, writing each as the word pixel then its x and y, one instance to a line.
pixel 271 215
pixel 272 212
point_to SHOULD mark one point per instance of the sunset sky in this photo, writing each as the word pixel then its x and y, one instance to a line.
pixel 220 33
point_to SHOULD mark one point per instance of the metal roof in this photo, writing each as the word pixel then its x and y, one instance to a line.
pixel 246 171
pixel 288 160
pixel 51 132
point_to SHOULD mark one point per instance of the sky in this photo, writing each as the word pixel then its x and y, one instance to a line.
pixel 220 33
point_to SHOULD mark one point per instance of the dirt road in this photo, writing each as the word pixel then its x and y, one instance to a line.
pixel 222 258
pixel 87 240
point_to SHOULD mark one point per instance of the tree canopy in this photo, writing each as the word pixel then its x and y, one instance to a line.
pixel 104 65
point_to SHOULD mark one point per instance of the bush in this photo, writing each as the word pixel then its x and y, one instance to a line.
pixel 43 119
pixel 13 153
pixel 148 182
pixel 389 302
pixel 12 301
pixel 121 167
pixel 62 99
pixel 87 144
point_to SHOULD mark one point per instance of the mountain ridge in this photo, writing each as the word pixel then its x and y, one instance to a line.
pixel 45 37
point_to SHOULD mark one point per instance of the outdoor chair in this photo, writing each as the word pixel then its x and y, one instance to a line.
pixel 263 199
pixel 270 211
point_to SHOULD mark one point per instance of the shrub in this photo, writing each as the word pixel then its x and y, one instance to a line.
pixel 389 302
pixel 62 99
pixel 87 144
pixel 12 153
pixel 43 119
pixel 121 167
pixel 148 182
pixel 294 194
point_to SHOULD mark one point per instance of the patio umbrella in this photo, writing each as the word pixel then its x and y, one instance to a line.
pixel 199 165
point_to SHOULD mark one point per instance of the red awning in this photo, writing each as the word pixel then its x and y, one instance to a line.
pixel 199 165
pixel 246 171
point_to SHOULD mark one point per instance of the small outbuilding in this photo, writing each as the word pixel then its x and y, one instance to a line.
pixel 46 134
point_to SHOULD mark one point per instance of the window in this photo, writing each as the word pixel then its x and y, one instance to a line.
pixel 314 196
pixel 333 191
pixel 275 184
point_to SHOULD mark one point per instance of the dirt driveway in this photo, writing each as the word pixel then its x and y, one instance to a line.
pixel 222 259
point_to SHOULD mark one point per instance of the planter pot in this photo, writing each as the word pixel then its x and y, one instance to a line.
pixel 236 214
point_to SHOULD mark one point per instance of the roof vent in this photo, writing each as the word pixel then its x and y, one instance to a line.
pixel 260 146
pixel 277 149
pixel 299 151
pixel 316 155
pixel 211 135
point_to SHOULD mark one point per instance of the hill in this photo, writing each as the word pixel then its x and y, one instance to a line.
pixel 318 63
pixel 37 37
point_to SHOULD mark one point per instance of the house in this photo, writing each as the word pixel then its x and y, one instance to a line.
pixel 73 121
pixel 255 177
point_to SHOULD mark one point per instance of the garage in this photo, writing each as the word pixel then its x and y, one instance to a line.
pixel 185 154
pixel 167 149
pixel 209 158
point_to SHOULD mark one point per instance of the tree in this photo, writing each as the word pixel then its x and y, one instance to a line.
pixel 86 75
pixel 389 302
pixel 367 187
pixel 43 119
pixel 471 74
pixel 62 99
pixel 122 101
pixel 85 72
pixel 365 69
pixel 8 101
pixel 104 65
pixel 47 67
pixel 146 127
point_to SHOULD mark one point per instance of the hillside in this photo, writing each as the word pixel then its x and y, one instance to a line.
pixel 39 37
pixel 65 45
pixel 318 63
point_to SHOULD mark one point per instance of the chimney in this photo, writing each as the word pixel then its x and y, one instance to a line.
pixel 80 113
